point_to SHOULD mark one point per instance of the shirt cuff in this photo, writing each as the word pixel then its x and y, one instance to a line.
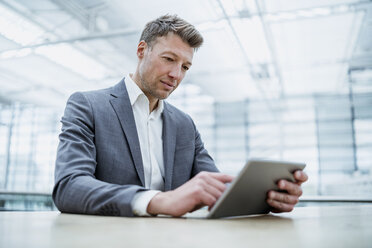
pixel 141 200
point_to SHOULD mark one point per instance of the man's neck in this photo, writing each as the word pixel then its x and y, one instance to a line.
pixel 153 102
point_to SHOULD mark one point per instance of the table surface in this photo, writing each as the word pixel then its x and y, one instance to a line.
pixel 325 226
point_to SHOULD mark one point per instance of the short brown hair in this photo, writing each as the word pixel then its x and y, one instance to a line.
pixel 171 23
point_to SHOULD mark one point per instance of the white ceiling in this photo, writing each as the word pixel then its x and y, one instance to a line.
pixel 51 48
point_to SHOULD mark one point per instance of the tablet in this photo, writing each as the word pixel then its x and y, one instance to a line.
pixel 247 194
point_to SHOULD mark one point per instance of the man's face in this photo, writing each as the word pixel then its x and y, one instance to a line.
pixel 163 66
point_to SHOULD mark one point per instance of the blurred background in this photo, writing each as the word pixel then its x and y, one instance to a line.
pixel 275 79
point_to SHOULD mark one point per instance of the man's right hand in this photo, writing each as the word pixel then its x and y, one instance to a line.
pixel 202 190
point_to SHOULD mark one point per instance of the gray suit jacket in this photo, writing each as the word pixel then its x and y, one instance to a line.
pixel 99 165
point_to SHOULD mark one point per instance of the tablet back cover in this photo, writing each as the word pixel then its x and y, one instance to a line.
pixel 247 194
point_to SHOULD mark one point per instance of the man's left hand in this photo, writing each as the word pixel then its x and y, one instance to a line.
pixel 285 201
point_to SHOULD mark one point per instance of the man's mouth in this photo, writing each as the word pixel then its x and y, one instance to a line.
pixel 168 85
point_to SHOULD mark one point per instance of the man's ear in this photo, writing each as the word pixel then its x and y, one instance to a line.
pixel 142 46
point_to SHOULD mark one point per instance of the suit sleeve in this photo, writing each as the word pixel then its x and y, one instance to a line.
pixel 76 189
pixel 202 160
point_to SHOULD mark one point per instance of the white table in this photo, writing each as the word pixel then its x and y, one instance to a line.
pixel 330 226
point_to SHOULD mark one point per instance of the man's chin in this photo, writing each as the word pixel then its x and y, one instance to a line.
pixel 163 95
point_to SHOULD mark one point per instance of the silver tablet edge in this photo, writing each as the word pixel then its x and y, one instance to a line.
pixel 246 166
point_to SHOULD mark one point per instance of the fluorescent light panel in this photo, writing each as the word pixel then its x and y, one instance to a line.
pixel 252 37
pixel 308 13
pixel 17 53
pixel 73 59
pixel 16 28
pixel 235 7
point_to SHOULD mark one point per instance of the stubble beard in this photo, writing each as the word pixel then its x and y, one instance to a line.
pixel 149 91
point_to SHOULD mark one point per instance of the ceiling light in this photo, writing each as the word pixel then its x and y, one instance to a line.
pixel 16 28
pixel 281 16
pixel 307 13
pixel 205 26
pixel 342 9
pixel 73 59
pixel 322 11
pixel 16 53
pixel 252 37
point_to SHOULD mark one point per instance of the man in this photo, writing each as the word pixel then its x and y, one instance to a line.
pixel 125 151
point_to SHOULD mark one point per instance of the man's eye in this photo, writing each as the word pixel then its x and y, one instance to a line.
pixel 169 59
pixel 186 68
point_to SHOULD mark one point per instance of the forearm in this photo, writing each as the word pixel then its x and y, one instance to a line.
pixel 84 194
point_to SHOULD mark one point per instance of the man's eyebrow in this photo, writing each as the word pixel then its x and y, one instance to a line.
pixel 174 54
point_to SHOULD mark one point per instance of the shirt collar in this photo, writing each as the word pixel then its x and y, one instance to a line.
pixel 135 92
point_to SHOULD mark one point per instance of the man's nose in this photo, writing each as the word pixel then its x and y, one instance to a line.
pixel 175 72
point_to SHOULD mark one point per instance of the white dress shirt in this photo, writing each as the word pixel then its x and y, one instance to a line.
pixel 149 128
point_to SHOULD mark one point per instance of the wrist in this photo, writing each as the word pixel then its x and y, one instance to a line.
pixel 157 204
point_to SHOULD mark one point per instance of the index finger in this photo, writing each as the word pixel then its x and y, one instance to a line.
pixel 290 187
pixel 225 178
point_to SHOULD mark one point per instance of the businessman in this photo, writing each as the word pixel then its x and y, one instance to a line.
pixel 125 151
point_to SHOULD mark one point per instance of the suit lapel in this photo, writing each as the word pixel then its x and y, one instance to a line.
pixel 169 145
pixel 123 109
